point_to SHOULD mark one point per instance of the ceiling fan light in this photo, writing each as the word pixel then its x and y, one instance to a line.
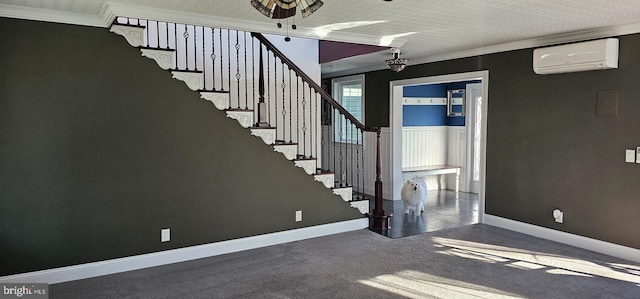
pixel 265 7
pixel 307 7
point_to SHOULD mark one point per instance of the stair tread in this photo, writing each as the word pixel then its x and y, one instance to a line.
pixel 304 159
pixel 361 200
pixel 259 128
pixel 342 187
pixel 238 110
pixel 212 91
pixel 279 142
pixel 161 49
pixel 325 173
pixel 185 71
pixel 129 25
pixel 322 171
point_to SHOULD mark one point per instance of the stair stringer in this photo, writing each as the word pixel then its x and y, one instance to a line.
pixel 195 81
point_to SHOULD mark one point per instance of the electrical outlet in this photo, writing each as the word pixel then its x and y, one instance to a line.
pixel 630 156
pixel 298 216
pixel 165 235
pixel 558 216
pixel 638 154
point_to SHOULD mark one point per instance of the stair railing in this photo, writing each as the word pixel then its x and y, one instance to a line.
pixel 350 132
pixel 262 80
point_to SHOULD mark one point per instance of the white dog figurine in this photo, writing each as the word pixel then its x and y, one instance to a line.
pixel 414 194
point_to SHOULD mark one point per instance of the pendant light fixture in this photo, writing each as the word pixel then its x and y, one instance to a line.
pixel 396 64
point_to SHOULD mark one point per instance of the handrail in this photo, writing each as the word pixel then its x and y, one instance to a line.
pixel 312 83
pixel 378 220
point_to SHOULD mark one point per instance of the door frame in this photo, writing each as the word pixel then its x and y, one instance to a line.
pixel 470 133
pixel 395 128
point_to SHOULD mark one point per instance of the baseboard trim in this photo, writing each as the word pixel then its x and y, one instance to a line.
pixel 89 270
pixel 603 247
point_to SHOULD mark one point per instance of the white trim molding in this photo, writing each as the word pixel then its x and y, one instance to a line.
pixel 327 179
pixel 423 101
pixel 345 192
pixel 395 127
pixel 309 166
pixel 268 135
pixel 219 99
pixel 194 80
pixel 603 247
pixel 164 58
pixel 244 118
pixel 111 10
pixel 133 35
pixel 89 270
pixel 47 15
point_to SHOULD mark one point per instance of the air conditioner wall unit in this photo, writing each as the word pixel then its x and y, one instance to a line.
pixel 584 56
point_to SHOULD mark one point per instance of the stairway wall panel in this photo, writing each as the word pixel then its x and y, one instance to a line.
pixel 100 150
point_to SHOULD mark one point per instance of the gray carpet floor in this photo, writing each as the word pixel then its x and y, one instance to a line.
pixel 474 261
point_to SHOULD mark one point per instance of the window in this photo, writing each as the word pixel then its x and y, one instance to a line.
pixel 349 92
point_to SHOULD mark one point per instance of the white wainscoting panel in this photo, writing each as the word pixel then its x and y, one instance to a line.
pixel 435 145
pixel 456 155
pixel 422 146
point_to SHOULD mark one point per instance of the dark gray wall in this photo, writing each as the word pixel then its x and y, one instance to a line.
pixel 100 149
pixel 546 148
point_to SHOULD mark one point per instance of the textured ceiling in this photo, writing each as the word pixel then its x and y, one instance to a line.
pixel 424 28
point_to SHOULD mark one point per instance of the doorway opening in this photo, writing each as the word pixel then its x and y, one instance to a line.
pixel 463 132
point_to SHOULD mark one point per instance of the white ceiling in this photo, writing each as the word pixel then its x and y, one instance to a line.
pixel 425 30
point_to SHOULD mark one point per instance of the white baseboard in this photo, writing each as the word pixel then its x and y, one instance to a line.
pixel 89 270
pixel 607 248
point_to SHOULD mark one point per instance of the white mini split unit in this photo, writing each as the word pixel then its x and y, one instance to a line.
pixel 585 56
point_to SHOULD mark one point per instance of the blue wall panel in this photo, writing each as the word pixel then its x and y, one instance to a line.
pixel 424 115
pixel 425 91
pixel 431 115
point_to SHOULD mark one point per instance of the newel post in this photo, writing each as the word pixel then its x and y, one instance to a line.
pixel 379 220
pixel 262 106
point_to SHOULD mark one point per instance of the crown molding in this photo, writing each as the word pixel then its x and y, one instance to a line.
pixel 55 16
pixel 518 45
pixel 537 42
pixel 112 10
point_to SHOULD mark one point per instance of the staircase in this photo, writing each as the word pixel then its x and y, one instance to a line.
pixel 247 77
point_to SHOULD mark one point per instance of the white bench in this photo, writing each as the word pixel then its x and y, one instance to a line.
pixel 423 171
